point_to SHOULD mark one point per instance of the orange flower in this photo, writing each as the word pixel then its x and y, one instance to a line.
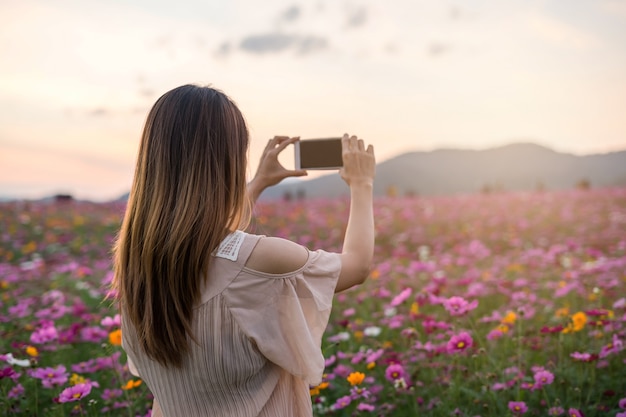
pixel 115 337
pixel 355 378
pixel 32 351
pixel 316 390
pixel 579 320
pixel 509 318
pixel 576 324
pixel 132 384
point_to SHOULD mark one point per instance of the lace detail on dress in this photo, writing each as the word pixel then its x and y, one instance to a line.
pixel 229 248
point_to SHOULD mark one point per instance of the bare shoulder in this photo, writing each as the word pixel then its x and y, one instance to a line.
pixel 273 255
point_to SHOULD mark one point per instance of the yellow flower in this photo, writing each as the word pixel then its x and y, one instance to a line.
pixel 355 378
pixel 115 337
pixel 509 318
pixel 371 365
pixel 375 274
pixel 415 308
pixel 131 384
pixel 32 351
pixel 76 379
pixel 358 335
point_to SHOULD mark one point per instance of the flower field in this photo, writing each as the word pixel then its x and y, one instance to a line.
pixel 484 305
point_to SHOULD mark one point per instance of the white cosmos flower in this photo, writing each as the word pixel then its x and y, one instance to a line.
pixel 19 362
pixel 372 331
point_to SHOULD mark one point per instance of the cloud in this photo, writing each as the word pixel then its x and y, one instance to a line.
pixel 291 14
pixel 437 49
pixel 99 112
pixel 357 17
pixel 276 42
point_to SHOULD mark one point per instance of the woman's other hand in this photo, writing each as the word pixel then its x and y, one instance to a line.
pixel 270 171
pixel 359 164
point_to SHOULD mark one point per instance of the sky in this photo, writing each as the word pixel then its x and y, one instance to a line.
pixel 77 78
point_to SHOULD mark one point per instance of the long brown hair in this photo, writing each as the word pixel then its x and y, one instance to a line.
pixel 188 193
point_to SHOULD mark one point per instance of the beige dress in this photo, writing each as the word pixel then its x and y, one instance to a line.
pixel 259 339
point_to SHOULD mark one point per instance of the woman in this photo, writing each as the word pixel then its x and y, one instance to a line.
pixel 216 321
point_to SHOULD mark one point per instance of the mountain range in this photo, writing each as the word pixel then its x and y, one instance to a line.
pixel 515 167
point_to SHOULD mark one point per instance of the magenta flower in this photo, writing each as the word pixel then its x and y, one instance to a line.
pixel 615 346
pixel 542 378
pixel 622 403
pixel 555 411
pixel 45 334
pixel 51 377
pixel 495 334
pixel 111 322
pixel 342 402
pixel 365 407
pixel 573 412
pixel 395 372
pixel 459 342
pixel 16 392
pixel 400 298
pixel 93 334
pixel 74 393
pixel 458 306
pixel 584 357
pixel 518 407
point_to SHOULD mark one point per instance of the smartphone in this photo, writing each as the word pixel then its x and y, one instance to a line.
pixel 318 154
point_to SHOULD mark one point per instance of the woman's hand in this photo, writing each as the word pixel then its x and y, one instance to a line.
pixel 270 171
pixel 359 164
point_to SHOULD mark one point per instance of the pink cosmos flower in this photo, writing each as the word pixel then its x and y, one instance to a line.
pixel 555 411
pixel 51 377
pixel 46 333
pixel 342 402
pixel 622 403
pixel 573 412
pixel 16 392
pixel 584 357
pixel 542 378
pixel 615 346
pixel 93 334
pixel 111 322
pixel 395 372
pixel 365 407
pixel 458 306
pixel 74 393
pixel 495 334
pixel 518 407
pixel 400 298
pixel 459 342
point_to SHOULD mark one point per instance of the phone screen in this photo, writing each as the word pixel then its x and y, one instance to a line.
pixel 319 153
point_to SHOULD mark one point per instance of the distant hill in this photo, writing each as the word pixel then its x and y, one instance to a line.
pixel 520 166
